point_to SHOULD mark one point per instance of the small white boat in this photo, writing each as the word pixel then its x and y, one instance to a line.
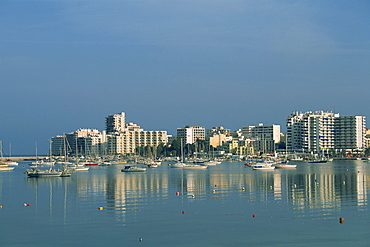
pixel 81 168
pixel 263 167
pixel 177 165
pixel 105 163
pixel 194 167
pixel 6 168
pixel 285 166
pixel 133 169
pixel 210 163
pixel 10 163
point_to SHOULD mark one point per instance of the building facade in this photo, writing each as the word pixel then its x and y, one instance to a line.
pixel 320 131
pixel 190 134
pixel 115 122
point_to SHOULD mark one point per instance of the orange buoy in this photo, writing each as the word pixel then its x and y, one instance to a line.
pixel 182 212
pixel 341 220
pixel 215 185
pixel 27 204
pixel 177 193
pixel 1 206
pixel 253 216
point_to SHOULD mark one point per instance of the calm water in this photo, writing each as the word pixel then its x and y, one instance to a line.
pixel 215 207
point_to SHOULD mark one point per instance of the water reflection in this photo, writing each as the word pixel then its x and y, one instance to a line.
pixel 326 187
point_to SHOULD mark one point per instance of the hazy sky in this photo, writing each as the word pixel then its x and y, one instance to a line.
pixel 68 64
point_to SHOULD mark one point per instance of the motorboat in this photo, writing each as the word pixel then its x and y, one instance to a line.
pixel 105 163
pixel 285 166
pixel 5 167
pixel 194 167
pixel 318 161
pixel 10 163
pixel 265 166
pixel 133 169
pixel 91 164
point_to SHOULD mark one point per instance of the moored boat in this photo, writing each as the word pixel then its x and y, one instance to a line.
pixel 91 164
pixel 6 168
pixel 177 165
pixel 263 167
pixel 34 172
pixel 133 169
pixel 194 167
pixel 285 166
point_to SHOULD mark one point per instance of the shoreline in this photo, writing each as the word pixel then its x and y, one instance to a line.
pixel 22 158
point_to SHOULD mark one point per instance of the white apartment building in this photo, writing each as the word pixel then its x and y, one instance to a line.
pixel 261 132
pixel 88 142
pixel 350 133
pixel 264 136
pixel 190 134
pixel 125 138
pixel 115 122
pixel 321 131
pixel 126 141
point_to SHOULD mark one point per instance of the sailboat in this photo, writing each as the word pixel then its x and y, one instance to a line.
pixel 78 167
pixel 181 163
pixel 51 172
pixel 10 162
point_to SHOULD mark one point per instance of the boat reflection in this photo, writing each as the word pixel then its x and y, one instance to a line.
pixel 320 186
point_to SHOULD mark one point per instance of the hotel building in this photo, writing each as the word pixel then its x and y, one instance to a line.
pixel 320 131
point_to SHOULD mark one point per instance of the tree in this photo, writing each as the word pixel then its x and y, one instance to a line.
pixel 367 151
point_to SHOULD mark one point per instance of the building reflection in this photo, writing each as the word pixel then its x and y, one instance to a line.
pixel 326 187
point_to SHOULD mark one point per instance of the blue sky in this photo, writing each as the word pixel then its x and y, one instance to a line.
pixel 68 64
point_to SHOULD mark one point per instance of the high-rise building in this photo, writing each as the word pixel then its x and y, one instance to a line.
pixel 87 142
pixel 321 131
pixel 115 122
pixel 350 133
pixel 190 134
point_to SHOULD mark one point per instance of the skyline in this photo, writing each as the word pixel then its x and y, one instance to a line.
pixel 66 65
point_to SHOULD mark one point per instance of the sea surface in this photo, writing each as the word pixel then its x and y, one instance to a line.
pixel 226 205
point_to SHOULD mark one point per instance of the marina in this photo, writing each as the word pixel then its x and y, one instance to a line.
pixel 228 204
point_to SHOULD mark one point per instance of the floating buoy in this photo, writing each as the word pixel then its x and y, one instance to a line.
pixel 215 185
pixel 177 193
pixel 192 196
pixel 358 171
pixel 1 206
pixel 27 204
pixel 344 182
pixel 270 187
pixel 182 212
pixel 341 220
pixel 100 208
pixel 243 188
pixel 253 216
pixel 295 186
pixel 140 239
pixel 187 189
pixel 213 191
